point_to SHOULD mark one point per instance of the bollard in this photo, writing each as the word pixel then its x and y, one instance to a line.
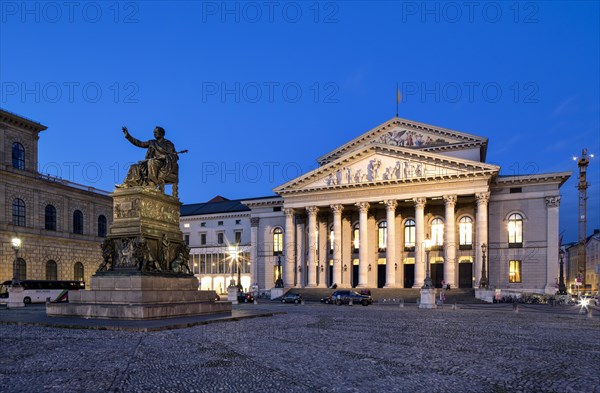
pixel 589 313
pixel 302 301
pixel 401 302
pixel 350 303
pixel 516 307
pixel 255 301
pixel 454 306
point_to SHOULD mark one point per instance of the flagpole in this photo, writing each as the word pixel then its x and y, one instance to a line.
pixel 397 93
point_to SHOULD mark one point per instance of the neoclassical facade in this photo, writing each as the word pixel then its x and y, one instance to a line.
pixel 402 194
pixel 60 224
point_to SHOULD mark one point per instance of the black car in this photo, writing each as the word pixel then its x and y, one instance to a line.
pixel 291 298
pixel 245 298
pixel 344 297
pixel 327 300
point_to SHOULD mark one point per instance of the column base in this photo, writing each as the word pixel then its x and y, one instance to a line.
pixel 394 285
pixel 311 286
pixel 362 286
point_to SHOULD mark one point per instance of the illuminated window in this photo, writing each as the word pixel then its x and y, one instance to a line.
pixel 437 232
pixel 465 230
pixel 514 271
pixel 78 271
pixel 21 269
pixel 51 270
pixel 409 234
pixel 18 156
pixel 50 218
pixel 355 238
pixel 382 235
pixel 277 241
pixel 515 230
pixel 331 240
pixel 78 222
pixel 18 212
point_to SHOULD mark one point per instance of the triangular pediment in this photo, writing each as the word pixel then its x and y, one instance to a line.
pixel 379 164
pixel 413 135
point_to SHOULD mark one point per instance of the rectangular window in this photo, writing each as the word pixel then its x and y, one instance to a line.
pixel 202 224
pixel 515 190
pixel 409 237
pixel 203 239
pixel 186 237
pixel 238 222
pixel 220 238
pixel 238 237
pixel 220 223
pixel 277 209
pixel 514 271
pixel 356 241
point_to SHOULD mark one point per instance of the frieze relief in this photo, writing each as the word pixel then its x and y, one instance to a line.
pixel 408 138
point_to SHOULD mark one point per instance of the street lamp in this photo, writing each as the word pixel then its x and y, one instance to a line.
pixel 16 245
pixel 483 283
pixel 562 288
pixel 427 284
pixel 279 281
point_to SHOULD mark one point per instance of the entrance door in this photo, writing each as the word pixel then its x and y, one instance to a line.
pixel 330 278
pixel 354 276
pixel 437 274
pixel 465 275
pixel 380 276
pixel 409 275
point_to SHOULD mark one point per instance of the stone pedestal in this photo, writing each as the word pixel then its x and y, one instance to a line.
pixel 277 292
pixel 487 295
pixel 15 297
pixel 232 294
pixel 428 298
pixel 139 296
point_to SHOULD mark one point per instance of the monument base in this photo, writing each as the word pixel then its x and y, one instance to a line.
pixel 427 298
pixel 277 292
pixel 15 297
pixel 139 296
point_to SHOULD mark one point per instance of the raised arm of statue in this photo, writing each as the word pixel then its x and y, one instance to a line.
pixel 135 142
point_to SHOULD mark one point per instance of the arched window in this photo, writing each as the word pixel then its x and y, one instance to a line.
pixel 78 271
pixel 101 225
pixel 18 156
pixel 515 230
pixel 409 234
pixel 21 269
pixel 465 232
pixel 78 222
pixel 277 241
pixel 437 232
pixel 18 212
pixel 51 270
pixel 356 238
pixel 50 218
pixel 382 235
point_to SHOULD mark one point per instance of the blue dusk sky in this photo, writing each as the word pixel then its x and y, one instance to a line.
pixel 256 91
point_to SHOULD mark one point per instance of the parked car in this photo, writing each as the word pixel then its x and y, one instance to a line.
pixel 327 300
pixel 344 297
pixel 245 298
pixel 291 298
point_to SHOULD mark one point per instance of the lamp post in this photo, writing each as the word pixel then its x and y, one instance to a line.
pixel 562 288
pixel 427 284
pixel 483 283
pixel 279 281
pixel 16 245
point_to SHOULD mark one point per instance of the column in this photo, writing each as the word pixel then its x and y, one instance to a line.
pixel 390 248
pixel 322 253
pixel 552 258
pixel 450 243
pixel 481 223
pixel 312 246
pixel 290 248
pixel 254 250
pixel 363 250
pixel 300 244
pixel 337 243
pixel 419 241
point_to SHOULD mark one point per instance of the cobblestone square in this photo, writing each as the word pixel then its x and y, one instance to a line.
pixel 319 348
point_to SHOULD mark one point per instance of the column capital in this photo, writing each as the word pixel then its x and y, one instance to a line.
pixel 482 197
pixel 363 207
pixel 553 201
pixel 289 212
pixel 391 204
pixel 312 210
pixel 337 209
pixel 254 221
pixel 420 202
pixel 450 200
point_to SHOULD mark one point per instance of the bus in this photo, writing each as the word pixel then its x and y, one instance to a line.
pixel 37 291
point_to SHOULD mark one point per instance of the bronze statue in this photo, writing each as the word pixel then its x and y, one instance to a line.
pixel 160 166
